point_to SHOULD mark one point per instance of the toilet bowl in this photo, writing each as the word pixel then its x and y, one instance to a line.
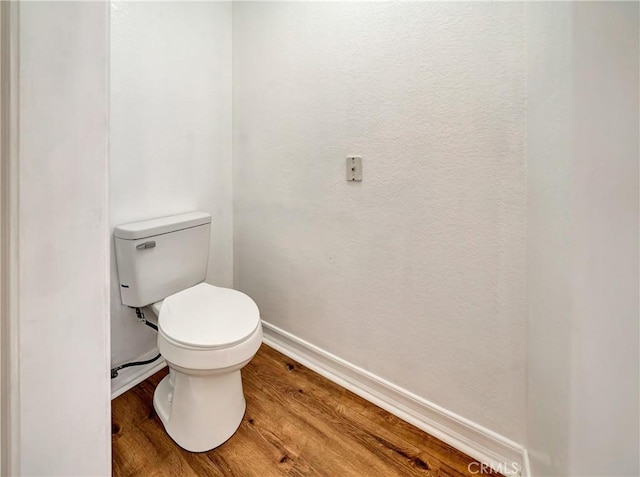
pixel 206 334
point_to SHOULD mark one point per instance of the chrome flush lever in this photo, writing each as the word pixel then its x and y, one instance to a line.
pixel 146 245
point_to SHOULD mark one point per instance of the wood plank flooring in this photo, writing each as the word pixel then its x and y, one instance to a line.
pixel 297 423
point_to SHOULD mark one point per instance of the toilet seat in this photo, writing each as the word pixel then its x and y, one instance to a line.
pixel 209 360
pixel 207 317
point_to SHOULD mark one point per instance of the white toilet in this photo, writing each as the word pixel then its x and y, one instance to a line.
pixel 205 333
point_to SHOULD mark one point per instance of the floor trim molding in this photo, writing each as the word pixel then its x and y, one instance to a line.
pixel 131 377
pixel 526 465
pixel 478 442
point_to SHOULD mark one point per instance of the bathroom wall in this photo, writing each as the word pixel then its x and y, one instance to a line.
pixel 549 158
pixel 606 234
pixel 61 375
pixel 583 149
pixel 416 274
pixel 170 133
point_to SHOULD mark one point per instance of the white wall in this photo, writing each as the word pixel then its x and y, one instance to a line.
pixel 170 133
pixel 605 399
pixel 63 269
pixel 415 274
pixel 549 159
pixel 583 122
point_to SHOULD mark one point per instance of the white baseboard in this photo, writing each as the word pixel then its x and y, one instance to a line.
pixel 474 440
pixel 130 377
pixel 526 466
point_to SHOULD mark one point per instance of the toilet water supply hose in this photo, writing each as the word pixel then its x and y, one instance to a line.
pixel 114 371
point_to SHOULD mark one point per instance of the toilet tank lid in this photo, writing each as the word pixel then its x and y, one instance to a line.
pixel 162 225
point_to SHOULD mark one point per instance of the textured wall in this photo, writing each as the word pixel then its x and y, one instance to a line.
pixel 417 273
pixel 170 132
pixel 63 302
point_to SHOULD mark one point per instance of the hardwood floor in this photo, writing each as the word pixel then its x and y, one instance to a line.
pixel 297 423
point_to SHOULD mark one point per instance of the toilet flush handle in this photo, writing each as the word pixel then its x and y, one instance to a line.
pixel 146 245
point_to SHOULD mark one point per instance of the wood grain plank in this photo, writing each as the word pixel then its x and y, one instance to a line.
pixel 297 424
pixel 323 410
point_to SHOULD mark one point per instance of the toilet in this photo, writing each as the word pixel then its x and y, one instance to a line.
pixel 206 334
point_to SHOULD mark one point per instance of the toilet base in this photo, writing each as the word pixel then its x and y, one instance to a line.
pixel 200 412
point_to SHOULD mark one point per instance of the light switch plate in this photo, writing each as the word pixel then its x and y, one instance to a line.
pixel 354 168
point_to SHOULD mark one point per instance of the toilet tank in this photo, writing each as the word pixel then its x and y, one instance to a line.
pixel 159 257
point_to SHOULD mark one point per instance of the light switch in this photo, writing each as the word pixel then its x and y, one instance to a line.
pixel 354 168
